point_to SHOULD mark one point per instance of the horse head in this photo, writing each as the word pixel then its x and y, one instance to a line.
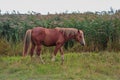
pixel 80 37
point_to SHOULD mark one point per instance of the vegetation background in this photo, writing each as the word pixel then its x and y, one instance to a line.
pixel 102 29
pixel 98 60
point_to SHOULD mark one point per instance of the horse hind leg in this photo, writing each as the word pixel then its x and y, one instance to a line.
pixel 32 50
pixel 38 51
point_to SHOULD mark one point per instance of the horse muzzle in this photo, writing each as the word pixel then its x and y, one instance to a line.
pixel 82 44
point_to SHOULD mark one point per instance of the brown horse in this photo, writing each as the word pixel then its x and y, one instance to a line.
pixel 50 37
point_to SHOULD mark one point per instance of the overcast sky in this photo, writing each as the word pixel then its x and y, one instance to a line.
pixel 53 6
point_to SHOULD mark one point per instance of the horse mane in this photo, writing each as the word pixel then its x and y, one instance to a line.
pixel 67 31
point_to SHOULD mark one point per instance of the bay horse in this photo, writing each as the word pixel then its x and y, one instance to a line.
pixel 39 36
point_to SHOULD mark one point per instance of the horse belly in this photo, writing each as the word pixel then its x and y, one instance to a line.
pixel 50 41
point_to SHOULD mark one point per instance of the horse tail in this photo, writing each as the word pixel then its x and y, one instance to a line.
pixel 27 41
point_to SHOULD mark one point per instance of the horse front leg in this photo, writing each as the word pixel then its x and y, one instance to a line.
pixel 38 51
pixel 62 55
pixel 55 51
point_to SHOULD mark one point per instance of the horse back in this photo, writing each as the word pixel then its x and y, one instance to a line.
pixel 48 37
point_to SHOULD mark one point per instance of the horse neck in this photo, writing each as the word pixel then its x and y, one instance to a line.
pixel 70 37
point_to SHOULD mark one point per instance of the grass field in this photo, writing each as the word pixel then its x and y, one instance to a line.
pixel 77 66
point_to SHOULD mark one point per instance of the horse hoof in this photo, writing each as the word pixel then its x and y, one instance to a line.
pixel 62 63
pixel 53 59
pixel 43 62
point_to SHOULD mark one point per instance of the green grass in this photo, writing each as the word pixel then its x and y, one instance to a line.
pixel 77 66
